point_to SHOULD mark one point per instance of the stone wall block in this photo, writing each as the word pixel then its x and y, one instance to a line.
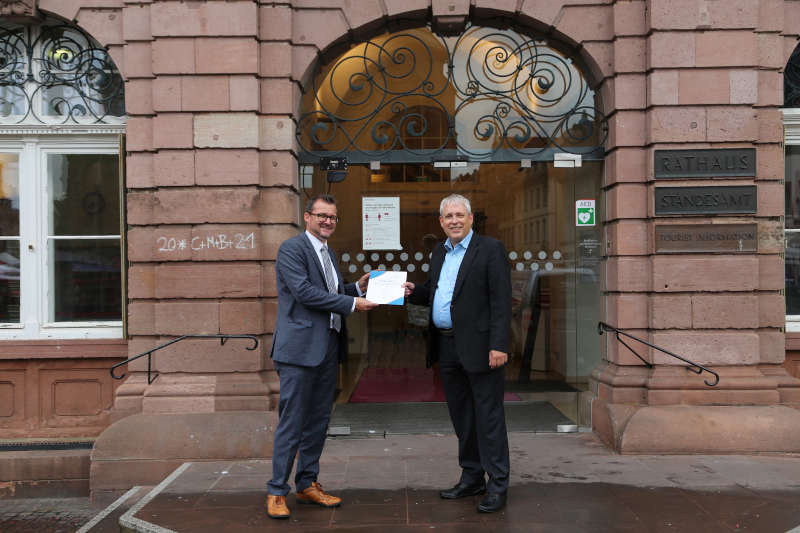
pixel 227 167
pixel 707 348
pixel 276 59
pixel 395 8
pixel 102 24
pixel 673 15
pixel 139 97
pixel 268 287
pixel 450 7
pixel 670 311
pixel 743 86
pixel 676 273
pixel 630 55
pixel 772 346
pixel 628 274
pixel 630 91
pixel 136 23
pixel 769 158
pixel 138 60
pixel 138 170
pixel 172 130
pixel 167 93
pixel 703 86
pixel 770 237
pixel 202 356
pixel 661 85
pixel 205 93
pixel 241 317
pixel 276 133
pixel 770 52
pixel 771 274
pixel 627 237
pixel 771 199
pixel 362 16
pixel 141 317
pixel 174 56
pixel 627 128
pixel 139 134
pixel 280 206
pixel 244 93
pixel 174 168
pixel 770 88
pixel 626 165
pixel 724 311
pixel 700 14
pixel 602 54
pixel 278 169
pixel 770 125
pixel 212 18
pixel 208 280
pixel 275 23
pixel 671 50
pixel 226 130
pixel 544 12
pixel 184 318
pixel 303 59
pixel 141 281
pixel 276 96
pixel 206 205
pixel 270 312
pixel 770 15
pixel 139 208
pixel 171 243
pixel 678 125
pixel 226 242
pixel 714 49
pixel 629 18
pixel 627 311
pixel 320 27
pixel 771 310
pixel 587 23
pixel 731 124
pixel 230 55
pixel 626 201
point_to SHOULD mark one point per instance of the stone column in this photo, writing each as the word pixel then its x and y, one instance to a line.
pixel 713 81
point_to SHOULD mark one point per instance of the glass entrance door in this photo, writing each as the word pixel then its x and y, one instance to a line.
pixel 555 271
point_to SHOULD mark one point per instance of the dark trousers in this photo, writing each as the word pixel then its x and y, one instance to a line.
pixel 475 402
pixel 304 410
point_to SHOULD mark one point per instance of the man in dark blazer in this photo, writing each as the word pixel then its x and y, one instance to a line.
pixel 310 338
pixel 469 291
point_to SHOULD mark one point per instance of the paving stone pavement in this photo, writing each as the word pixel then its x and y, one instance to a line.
pixel 46 515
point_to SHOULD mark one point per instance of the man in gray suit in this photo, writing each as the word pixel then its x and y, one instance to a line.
pixel 310 338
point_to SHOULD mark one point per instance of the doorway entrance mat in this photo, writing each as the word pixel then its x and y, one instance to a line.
pixel 389 385
pixel 381 419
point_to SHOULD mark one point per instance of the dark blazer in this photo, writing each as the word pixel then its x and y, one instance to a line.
pixel 304 305
pixel 481 306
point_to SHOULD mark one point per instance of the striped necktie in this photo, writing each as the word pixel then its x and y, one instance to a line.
pixel 336 319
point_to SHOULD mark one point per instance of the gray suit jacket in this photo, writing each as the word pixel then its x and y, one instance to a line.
pixel 304 305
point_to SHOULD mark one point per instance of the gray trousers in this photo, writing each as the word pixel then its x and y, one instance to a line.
pixel 304 410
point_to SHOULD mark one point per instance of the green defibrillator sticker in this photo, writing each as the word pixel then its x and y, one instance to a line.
pixel 584 213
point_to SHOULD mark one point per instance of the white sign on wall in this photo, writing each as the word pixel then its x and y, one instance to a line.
pixel 380 223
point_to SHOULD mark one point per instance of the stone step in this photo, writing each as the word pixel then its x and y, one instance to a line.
pixel 44 468
pixel 108 520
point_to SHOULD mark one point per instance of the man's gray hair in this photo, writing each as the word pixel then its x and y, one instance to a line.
pixel 455 199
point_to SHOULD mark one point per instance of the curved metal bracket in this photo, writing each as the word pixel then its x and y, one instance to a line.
pixel 602 327
pixel 151 376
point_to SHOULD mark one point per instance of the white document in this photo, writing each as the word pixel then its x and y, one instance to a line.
pixel 386 287
pixel 380 223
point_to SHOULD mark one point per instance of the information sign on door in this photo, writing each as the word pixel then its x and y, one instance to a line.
pixel 584 213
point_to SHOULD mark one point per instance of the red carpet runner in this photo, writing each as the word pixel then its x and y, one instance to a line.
pixel 385 385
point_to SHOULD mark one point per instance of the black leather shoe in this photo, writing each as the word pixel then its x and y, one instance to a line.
pixel 492 502
pixel 462 490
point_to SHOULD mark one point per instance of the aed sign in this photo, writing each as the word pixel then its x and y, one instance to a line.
pixel 585 213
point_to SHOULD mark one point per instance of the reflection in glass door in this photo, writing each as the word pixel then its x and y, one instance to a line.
pixel 555 271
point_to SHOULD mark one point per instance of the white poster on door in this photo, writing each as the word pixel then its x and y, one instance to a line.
pixel 380 223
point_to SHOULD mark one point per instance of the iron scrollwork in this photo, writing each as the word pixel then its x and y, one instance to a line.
pixel 487 94
pixel 55 73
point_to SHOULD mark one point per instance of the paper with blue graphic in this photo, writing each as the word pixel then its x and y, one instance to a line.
pixel 386 287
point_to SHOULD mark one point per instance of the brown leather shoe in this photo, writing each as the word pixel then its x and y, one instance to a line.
pixel 314 494
pixel 276 507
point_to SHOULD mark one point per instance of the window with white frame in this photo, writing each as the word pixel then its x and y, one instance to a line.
pixel 61 120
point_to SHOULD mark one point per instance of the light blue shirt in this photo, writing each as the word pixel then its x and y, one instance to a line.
pixel 447 282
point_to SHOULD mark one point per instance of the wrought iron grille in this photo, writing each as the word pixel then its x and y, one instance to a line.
pixel 487 94
pixel 55 73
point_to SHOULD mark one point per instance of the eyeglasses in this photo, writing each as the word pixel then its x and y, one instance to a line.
pixel 322 217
